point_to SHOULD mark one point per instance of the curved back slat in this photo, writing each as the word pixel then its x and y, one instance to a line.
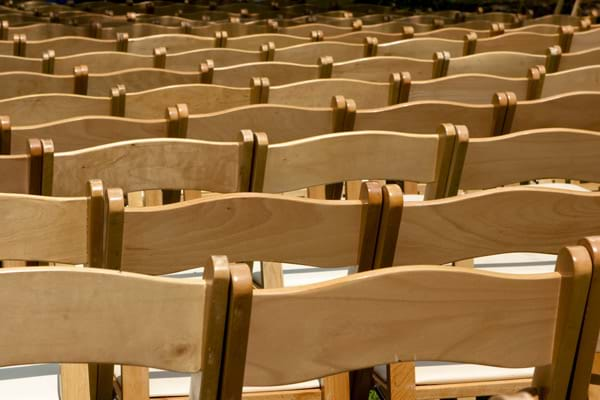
pixel 263 227
pixel 524 156
pixel 72 317
pixel 155 164
pixel 416 302
pixel 493 222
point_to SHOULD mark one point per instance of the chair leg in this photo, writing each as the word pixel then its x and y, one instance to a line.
pixel 74 382
pixel 135 383
pixel 272 274
pixel 353 190
pixel 336 387
pixel 401 381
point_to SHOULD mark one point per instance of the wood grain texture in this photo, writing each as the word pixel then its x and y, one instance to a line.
pixel 540 220
pixel 44 228
pixel 507 64
pixel 528 155
pixel 522 42
pixel 14 174
pixel 471 88
pixel 283 123
pixel 579 59
pixel 154 307
pixel 425 117
pixel 375 154
pixel 153 164
pixel 573 80
pixel 87 131
pixel 421 48
pixel 562 110
pixel 245 227
pixel 397 300
pixel 370 68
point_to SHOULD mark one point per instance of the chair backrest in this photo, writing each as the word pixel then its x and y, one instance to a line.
pixel 62 230
pixel 407 322
pixel 246 226
pixel 524 156
pixel 152 164
pixel 72 318
pixel 338 157
pixel 562 110
pixel 495 221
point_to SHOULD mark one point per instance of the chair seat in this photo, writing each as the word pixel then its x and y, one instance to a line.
pixel 298 275
pixel 168 383
pixel 30 382
pixel 439 373
pixel 517 263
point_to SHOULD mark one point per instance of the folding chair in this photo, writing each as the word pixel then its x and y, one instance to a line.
pixel 489 222
pixel 395 313
pixel 66 315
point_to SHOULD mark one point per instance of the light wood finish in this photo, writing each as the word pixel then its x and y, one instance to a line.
pixel 355 297
pixel 14 173
pixel 524 156
pixel 585 361
pixel 156 163
pixel 313 161
pixel 532 43
pixel 74 383
pixel 44 228
pixel 579 59
pixel 508 64
pixel 557 111
pixel 173 308
pixel 425 117
pixel 421 48
pixel 539 220
pixel 579 79
pixel 175 237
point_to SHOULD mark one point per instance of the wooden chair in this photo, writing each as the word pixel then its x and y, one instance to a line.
pixel 546 344
pixel 71 318
pixel 483 163
pixel 557 111
pixel 181 236
pixel 151 164
pixel 499 221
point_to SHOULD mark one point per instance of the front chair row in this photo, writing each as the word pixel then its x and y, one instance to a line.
pixel 229 334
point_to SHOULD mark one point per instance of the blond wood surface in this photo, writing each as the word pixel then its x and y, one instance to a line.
pixel 421 48
pixel 584 78
pixel 575 266
pixel 14 174
pixel 523 156
pixel 467 88
pixel 562 110
pixel 373 154
pixel 585 361
pixel 540 220
pixel 309 53
pixel 16 84
pixel 134 383
pixel 154 163
pixel 74 381
pixel 527 42
pixel 371 299
pixel 365 94
pixel 80 132
pixel 370 68
pixel 245 227
pixel 336 387
pixel 161 308
pixel 39 109
pixel 44 228
pixel 279 73
pixel 425 117
pixel 579 59
pixel 282 123
pixel 585 40
pixel 508 64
